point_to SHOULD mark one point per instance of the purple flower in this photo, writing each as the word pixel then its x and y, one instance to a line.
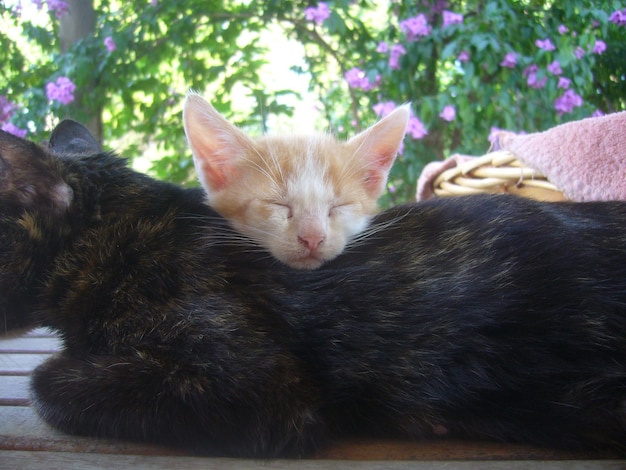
pixel 382 109
pixel 562 29
pixel 397 51
pixel 464 56
pixel 319 14
pixel 6 109
pixel 62 90
pixel 533 81
pixel 58 7
pixel 109 43
pixel 579 52
pixel 450 18
pixel 415 128
pixel 448 113
pixel 555 68
pixel 357 79
pixel 510 60
pixel 618 17
pixel 599 47
pixel 567 102
pixel 545 44
pixel 597 113
pixel 415 27
pixel 13 129
pixel 533 68
pixel 382 47
pixel 153 3
pixel 564 83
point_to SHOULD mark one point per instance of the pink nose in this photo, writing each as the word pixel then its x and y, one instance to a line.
pixel 312 240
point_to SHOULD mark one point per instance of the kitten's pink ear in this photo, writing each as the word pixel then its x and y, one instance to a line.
pixel 378 146
pixel 216 144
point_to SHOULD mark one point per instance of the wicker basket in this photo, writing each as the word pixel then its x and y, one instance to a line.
pixel 496 172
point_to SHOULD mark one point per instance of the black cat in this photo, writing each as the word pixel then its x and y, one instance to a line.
pixel 489 317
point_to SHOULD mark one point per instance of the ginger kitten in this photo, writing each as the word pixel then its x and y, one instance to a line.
pixel 301 197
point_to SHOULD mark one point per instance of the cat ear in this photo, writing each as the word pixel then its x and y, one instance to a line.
pixel 15 153
pixel 72 138
pixel 216 144
pixel 30 176
pixel 378 146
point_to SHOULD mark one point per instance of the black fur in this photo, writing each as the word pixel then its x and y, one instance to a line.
pixel 488 317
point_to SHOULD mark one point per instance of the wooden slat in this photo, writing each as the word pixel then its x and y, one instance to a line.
pixel 26 344
pixel 14 390
pixel 20 364
pixel 73 461
pixel 443 449
pixel 22 421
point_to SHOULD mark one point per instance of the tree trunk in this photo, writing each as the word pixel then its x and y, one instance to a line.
pixel 78 23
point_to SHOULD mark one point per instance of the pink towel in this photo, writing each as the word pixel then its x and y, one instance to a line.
pixel 585 159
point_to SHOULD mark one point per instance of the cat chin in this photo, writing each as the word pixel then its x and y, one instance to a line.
pixel 309 263
pixel 299 258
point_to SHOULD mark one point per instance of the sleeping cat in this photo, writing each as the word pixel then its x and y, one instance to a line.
pixel 301 197
pixel 485 317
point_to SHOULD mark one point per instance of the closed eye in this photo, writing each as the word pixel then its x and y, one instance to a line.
pixel 339 208
pixel 284 207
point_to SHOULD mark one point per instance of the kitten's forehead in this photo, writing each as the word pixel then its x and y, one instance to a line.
pixel 309 179
pixel 310 170
pixel 299 157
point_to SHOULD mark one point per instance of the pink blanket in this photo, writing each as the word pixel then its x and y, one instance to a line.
pixel 585 159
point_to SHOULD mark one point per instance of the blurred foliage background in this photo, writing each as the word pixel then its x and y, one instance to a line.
pixel 466 67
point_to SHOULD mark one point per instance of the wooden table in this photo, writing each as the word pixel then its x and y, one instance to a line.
pixel 26 442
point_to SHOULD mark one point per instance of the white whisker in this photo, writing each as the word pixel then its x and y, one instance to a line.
pixel 372 230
